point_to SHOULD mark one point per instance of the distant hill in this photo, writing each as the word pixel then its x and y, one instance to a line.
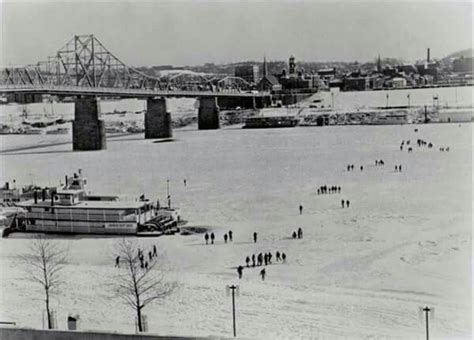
pixel 467 53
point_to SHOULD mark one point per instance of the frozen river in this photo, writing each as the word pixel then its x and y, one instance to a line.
pixel 360 272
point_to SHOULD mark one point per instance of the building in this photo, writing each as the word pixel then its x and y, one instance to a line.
pixel 298 79
pixel 359 83
pixel 399 82
pixel 463 65
pixel 268 82
pixel 248 72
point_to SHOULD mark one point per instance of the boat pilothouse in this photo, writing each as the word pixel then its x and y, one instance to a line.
pixel 71 209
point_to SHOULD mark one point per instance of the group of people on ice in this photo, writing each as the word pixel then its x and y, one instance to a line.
pixel 298 234
pixel 260 260
pixel 141 257
pixel 227 236
pixel 324 189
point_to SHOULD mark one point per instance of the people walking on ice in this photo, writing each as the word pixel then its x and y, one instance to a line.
pixel 117 261
pixel 154 250
pixel 294 235
pixel 361 168
pixel 255 237
pixel 253 260
pixel 230 235
pixel 184 181
pixel 260 259
pixel 206 237
pixel 262 274
pixel 301 209
pixel 347 203
pixel 400 168
pixel 247 261
pixel 342 203
pixel 270 257
pixel 300 233
pixel 212 238
pixel 225 238
pixel 240 269
pixel 283 257
pixel 278 258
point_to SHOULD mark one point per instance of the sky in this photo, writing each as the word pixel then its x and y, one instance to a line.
pixel 195 32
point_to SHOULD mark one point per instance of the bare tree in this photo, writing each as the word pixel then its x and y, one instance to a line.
pixel 139 282
pixel 44 264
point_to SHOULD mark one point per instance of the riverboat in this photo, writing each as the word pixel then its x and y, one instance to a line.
pixel 72 210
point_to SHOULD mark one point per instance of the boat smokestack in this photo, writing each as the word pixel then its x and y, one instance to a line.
pixel 35 196
pixel 43 194
pixel 66 180
pixel 428 55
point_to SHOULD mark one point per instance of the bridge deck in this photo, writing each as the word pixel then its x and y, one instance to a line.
pixel 135 93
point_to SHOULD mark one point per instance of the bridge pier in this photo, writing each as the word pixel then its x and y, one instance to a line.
pixel 157 119
pixel 88 131
pixel 208 114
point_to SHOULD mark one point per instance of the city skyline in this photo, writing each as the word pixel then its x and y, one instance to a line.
pixel 225 32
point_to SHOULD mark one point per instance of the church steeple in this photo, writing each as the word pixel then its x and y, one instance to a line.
pixel 265 70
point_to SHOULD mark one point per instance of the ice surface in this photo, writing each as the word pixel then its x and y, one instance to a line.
pixel 360 272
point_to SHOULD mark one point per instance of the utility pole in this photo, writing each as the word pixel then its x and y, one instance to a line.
pixel 233 288
pixel 426 310
pixel 168 192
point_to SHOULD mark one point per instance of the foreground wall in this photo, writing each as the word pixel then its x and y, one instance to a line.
pixel 40 334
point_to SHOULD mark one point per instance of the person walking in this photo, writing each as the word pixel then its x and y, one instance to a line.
pixel 212 238
pixel 294 235
pixel 263 273
pixel 184 182
pixel 270 257
pixel 342 203
pixel 278 258
pixel 225 238
pixel 347 203
pixel 117 261
pixel 283 257
pixel 301 209
pixel 230 235
pixel 260 259
pixel 300 233
pixel 247 261
pixel 255 237
pixel 361 168
pixel 253 260
pixel 150 255
pixel 154 250
pixel 206 237
pixel 338 190
pixel 400 168
pixel 265 258
pixel 240 270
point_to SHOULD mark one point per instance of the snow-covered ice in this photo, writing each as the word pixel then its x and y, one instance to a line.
pixel 360 272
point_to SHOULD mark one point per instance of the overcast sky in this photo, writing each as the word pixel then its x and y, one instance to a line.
pixel 191 33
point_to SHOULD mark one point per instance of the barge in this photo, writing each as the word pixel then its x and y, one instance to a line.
pixel 270 122
pixel 72 210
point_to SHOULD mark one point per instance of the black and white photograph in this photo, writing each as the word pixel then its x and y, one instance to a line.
pixel 220 169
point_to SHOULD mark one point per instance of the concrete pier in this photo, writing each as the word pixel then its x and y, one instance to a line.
pixel 208 114
pixel 157 119
pixel 88 132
